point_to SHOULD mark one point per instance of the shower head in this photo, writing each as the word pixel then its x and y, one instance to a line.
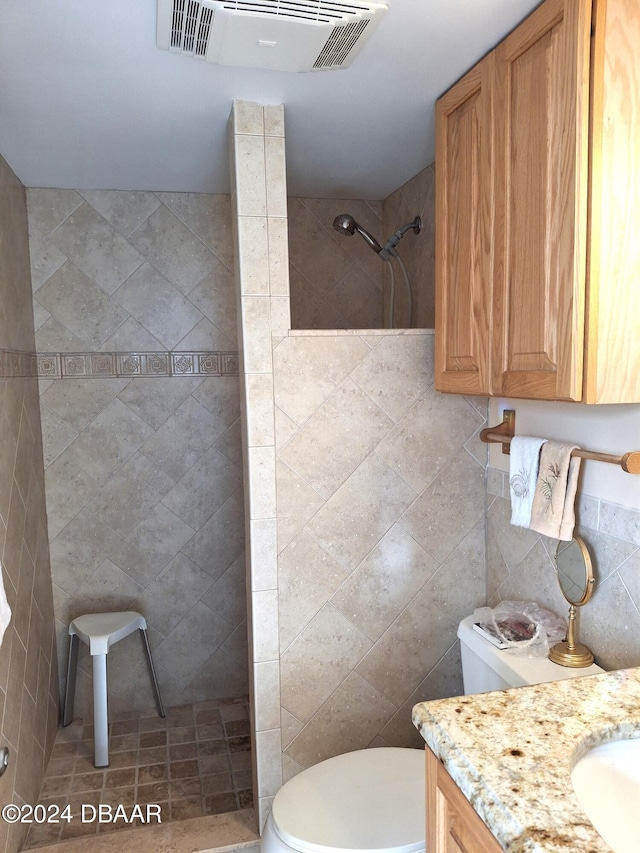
pixel 346 224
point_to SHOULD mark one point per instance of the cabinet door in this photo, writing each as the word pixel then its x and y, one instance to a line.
pixel 613 337
pixel 464 245
pixel 542 113
pixel 452 824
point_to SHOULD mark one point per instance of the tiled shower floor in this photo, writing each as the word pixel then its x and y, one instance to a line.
pixel 196 761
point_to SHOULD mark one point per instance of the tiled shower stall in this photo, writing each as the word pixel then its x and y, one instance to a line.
pixel 141 391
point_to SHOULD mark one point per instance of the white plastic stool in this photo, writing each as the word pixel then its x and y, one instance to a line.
pixel 100 631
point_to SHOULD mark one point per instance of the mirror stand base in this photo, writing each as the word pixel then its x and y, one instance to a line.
pixel 564 655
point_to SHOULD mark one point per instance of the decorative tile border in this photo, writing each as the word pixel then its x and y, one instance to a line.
pixel 17 364
pixel 118 365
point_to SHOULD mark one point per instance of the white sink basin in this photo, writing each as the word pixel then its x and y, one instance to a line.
pixel 607 783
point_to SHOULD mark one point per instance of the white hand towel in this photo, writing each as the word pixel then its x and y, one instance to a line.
pixel 553 512
pixel 523 475
pixel 5 610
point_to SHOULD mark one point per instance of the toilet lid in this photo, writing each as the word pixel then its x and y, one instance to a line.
pixel 369 800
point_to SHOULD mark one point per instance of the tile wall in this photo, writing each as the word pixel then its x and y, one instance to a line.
pixel 338 282
pixel 143 474
pixel 380 493
pixel 415 198
pixel 259 201
pixel 28 669
pixel 520 566
pixel 365 503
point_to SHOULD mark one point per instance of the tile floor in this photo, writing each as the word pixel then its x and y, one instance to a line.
pixel 196 761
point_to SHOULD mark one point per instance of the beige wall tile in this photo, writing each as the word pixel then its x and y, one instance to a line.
pixel 108 441
pixel 416 198
pixel 79 401
pixel 459 586
pixel 45 258
pixel 340 726
pixel 264 569
pixel 262 482
pixel 253 255
pixel 297 503
pixel 278 256
pixel 280 315
pixel 449 507
pixel 398 372
pixel 256 321
pixel 48 208
pixel 276 181
pixel 419 456
pixel 290 727
pixel 247 117
pixel 260 409
pixel 265 625
pixel 175 251
pixel 269 761
pixel 266 688
pixel 307 578
pixel 179 653
pixel 203 489
pixel 336 439
pixel 187 239
pixel 308 370
pixel 125 211
pixel 26 660
pixel 56 435
pixel 158 306
pixel 318 660
pixel 273 120
pixel 361 511
pixel 94 247
pixel 357 300
pixel 80 305
pixel 208 216
pixel 385 582
pixel 396 664
pixel 251 193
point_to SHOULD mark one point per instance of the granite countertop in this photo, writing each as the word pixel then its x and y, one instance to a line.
pixel 511 752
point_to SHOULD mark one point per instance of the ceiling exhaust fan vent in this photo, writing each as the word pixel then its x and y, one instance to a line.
pixel 281 35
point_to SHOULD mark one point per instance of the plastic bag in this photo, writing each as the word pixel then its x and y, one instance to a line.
pixel 522 627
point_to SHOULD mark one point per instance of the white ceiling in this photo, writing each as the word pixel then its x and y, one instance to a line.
pixel 88 101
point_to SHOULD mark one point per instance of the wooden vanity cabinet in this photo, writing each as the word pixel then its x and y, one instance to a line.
pixel 452 824
pixel 538 211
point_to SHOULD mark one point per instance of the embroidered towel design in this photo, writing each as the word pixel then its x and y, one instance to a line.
pixel 553 512
pixel 523 475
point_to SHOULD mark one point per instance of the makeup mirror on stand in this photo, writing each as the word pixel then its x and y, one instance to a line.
pixel 574 570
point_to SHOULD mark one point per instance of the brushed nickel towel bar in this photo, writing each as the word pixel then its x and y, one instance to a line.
pixel 504 432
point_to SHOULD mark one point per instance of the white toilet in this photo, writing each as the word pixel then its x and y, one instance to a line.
pixel 373 799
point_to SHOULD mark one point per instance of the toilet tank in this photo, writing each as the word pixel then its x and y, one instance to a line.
pixel 485 667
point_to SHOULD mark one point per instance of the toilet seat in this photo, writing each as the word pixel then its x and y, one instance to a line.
pixel 367 800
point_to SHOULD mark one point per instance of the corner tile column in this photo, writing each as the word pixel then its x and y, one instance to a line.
pixel 259 201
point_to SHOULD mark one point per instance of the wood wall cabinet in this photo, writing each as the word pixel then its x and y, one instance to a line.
pixel 464 223
pixel 538 211
pixel 452 824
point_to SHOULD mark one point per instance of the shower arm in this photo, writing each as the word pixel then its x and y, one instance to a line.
pixel 388 251
pixel 369 239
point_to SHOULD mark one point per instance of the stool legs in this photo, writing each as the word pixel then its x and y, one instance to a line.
pixel 152 672
pixel 100 716
pixel 70 692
